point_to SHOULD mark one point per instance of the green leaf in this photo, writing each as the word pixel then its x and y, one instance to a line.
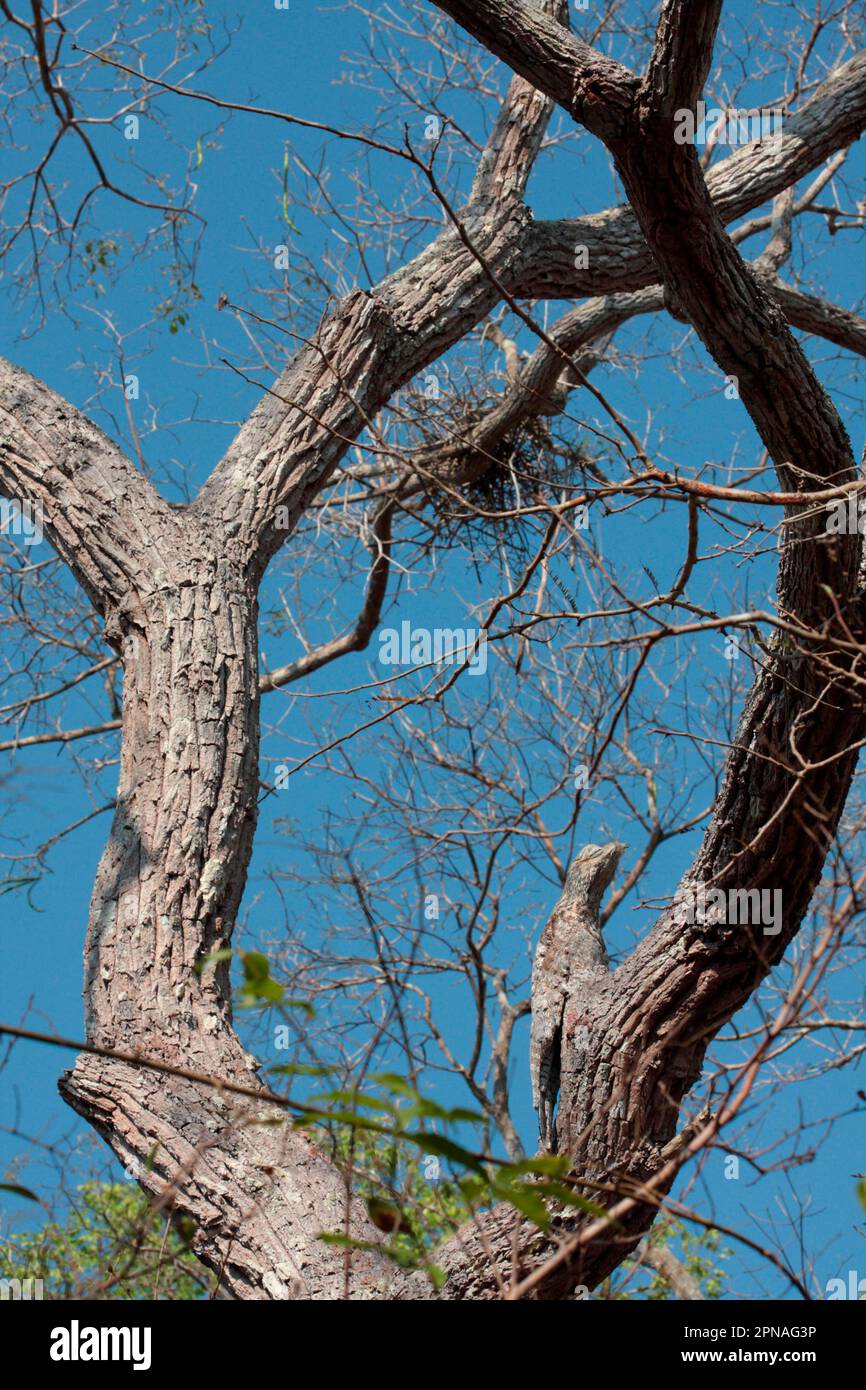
pixel 288 221
pixel 446 1148
pixel 299 1069
pixel 430 1110
pixel 392 1082
pixel 473 1189
pixel 258 984
pixel 336 1238
pixel 303 1004
pixel 545 1165
pixel 461 1116
pixel 343 1117
pixel 422 1109
pixel 106 1227
pixel 12 885
pixel 568 1198
pixel 352 1099
pixel 527 1202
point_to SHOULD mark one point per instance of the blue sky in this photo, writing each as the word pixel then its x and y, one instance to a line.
pixel 292 60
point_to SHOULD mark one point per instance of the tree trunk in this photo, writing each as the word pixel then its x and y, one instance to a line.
pixel 177 588
pixel 166 896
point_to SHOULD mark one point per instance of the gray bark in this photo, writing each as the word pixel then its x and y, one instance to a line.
pixel 177 588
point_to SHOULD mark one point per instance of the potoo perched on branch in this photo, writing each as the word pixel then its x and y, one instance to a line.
pixel 570 953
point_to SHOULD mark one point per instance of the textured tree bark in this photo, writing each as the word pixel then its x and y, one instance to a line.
pixel 177 589
pixel 166 896
pixel 634 1059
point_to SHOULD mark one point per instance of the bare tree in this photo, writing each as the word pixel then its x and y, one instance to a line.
pixel 176 590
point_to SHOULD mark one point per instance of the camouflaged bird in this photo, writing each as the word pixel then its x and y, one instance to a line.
pixel 570 952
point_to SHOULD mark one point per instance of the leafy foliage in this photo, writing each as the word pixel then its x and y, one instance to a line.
pixel 700 1252
pixel 111 1245
pixel 418 1180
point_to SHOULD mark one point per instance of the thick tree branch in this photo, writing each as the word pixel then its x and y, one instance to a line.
pixel 179 590
pixel 372 342
pixel 818 316
pixel 673 1271
pixel 510 153
pixel 681 56
pixel 618 258
pixel 594 89
pixel 629 1060
pixel 101 515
